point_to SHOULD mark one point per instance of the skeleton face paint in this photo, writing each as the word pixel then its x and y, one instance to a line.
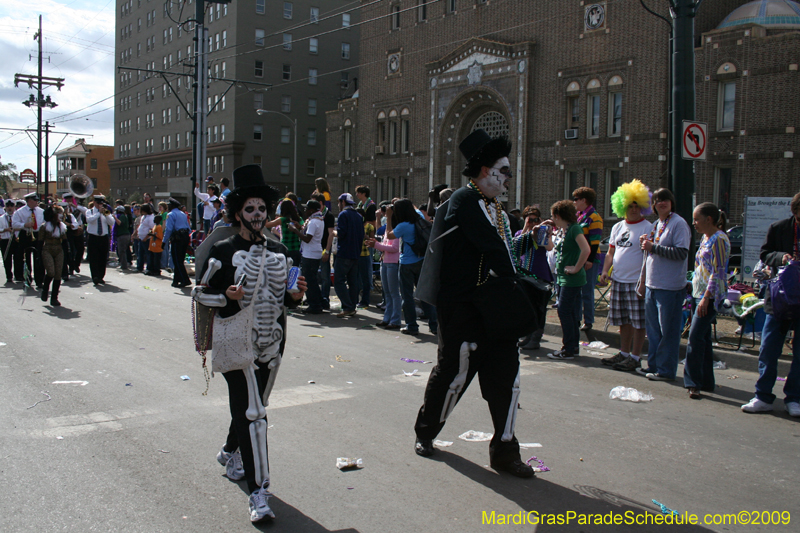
pixel 498 179
pixel 253 215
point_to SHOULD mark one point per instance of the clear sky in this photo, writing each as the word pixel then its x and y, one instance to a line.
pixel 78 46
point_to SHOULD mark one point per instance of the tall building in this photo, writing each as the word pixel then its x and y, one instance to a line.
pixel 293 58
pixel 582 90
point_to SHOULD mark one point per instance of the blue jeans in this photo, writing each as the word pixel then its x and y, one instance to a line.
pixel 772 337
pixel 309 268
pixel 325 282
pixel 166 257
pixel 142 253
pixel 663 320
pixel 345 282
pixel 409 277
pixel 390 281
pixel 587 294
pixel 206 227
pixel 569 313
pixel 698 371
pixel 365 278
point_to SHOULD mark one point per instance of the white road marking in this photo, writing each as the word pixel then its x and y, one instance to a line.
pixel 81 383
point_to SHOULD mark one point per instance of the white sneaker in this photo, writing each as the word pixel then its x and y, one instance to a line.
pixel 223 456
pixel 757 406
pixel 233 468
pixel 793 408
pixel 259 508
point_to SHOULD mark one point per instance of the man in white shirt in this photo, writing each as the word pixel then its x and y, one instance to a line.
pixel 143 244
pixel 311 251
pixel 27 220
pixel 8 240
pixel 99 222
pixel 627 309
pixel 208 205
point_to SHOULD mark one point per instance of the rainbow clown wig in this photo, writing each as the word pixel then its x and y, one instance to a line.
pixel 627 193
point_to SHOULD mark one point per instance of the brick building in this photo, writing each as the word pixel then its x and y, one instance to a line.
pixel 306 51
pixel 83 158
pixel 582 90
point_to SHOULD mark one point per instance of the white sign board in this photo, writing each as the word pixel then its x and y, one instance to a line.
pixel 759 214
pixel 694 140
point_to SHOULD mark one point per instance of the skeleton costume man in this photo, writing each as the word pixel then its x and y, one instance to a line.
pixel 262 261
pixel 471 240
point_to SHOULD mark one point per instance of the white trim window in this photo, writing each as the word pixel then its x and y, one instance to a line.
pixel 312 137
pixel 287 41
pixel 726 106
pixel 593 124
pixel 260 37
pixel 288 9
pixel 614 114
pixel 284 166
pixel 258 132
pixel 312 76
pixel 261 6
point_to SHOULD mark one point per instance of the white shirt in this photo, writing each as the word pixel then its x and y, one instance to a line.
pixel 145 226
pixel 208 208
pixel 23 215
pixel 628 253
pixel 5 223
pixel 313 248
pixel 94 220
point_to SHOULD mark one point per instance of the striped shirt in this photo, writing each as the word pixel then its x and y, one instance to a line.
pixel 592 225
pixel 711 267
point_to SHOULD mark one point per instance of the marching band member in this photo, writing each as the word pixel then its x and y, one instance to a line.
pixel 8 241
pixel 52 234
pixel 27 220
pixel 99 223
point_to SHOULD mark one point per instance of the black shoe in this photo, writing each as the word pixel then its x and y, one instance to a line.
pixel 312 311
pixel 406 331
pixel 101 282
pixel 515 468
pixel 382 324
pixel 424 448
pixel 54 301
pixel 392 326
pixel 586 326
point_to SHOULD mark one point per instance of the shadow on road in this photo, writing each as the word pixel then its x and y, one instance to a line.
pixel 545 497
pixel 64 313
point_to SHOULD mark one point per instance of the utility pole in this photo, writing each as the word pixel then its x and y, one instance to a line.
pixel 683 101
pixel 200 94
pixel 39 114
pixel 46 156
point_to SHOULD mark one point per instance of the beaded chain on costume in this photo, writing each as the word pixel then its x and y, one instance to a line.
pixel 501 226
pixel 660 231
pixel 202 344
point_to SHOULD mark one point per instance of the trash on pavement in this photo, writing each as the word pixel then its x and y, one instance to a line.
pixel 665 509
pixel 476 436
pixel 318 336
pixel 412 373
pixel 407 360
pixel 780 378
pixel 311 381
pixel 2 344
pixel 339 359
pixel 596 345
pixel 40 401
pixel 185 378
pixel 442 443
pixel 344 463
pixel 629 394
pixel 720 365
pixel 540 466
pixel 529 445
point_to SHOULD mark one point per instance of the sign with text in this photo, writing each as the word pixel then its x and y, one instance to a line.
pixel 695 140
pixel 27 176
pixel 759 214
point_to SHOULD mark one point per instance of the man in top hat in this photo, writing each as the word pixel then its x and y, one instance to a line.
pixel 99 222
pixel 247 269
pixel 477 246
pixel 176 233
pixel 27 220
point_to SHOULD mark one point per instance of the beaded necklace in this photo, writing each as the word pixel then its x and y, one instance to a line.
pixel 501 226
pixel 661 230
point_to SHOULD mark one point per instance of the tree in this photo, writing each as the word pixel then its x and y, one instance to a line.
pixel 8 173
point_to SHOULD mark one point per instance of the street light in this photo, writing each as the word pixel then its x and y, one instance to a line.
pixel 294 126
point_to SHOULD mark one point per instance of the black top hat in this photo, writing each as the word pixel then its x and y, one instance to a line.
pixel 481 150
pixel 248 182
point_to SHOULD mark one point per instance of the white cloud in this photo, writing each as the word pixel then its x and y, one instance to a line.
pixel 79 39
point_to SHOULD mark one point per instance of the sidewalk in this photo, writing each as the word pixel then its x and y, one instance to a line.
pixel 744 359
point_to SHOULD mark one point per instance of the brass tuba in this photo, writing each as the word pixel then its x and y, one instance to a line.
pixel 80 185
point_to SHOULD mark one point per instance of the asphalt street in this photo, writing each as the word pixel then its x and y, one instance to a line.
pixel 125 444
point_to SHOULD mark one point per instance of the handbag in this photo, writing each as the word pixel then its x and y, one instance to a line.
pixel 784 292
pixel 233 337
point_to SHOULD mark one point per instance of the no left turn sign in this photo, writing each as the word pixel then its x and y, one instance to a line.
pixel 695 140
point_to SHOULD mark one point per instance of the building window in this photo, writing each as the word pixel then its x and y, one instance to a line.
pixel 348 142
pixel 314 16
pixel 570 182
pixel 224 38
pixel 258 100
pixel 93 164
pixel 259 37
pixel 312 76
pixel 380 147
pixel 392 137
pixel 286 104
pixel 313 45
pixel 257 160
pixel 287 73
pixel 312 137
pixel 594 116
pixel 177 140
pixel 451 6
pixel 722 189
pixel 345 79
pixel 727 104
pixel 573 112
pixel 257 132
pixel 260 6
pixel 345 50
pixel 259 69
pixel 285 135
pixel 592 179
pixel 395 17
pixel 287 41
pixel 614 114
pixel 404 135
pixel 284 166
pixel 311 167
pixel 345 20
pixel 222 133
pixel 312 106
pixel 422 11
pixel 287 10
pixel 612 183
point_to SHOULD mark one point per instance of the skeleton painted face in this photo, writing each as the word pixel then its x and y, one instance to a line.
pixel 498 179
pixel 253 215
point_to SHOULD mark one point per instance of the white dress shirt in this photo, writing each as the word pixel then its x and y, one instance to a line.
pixel 95 220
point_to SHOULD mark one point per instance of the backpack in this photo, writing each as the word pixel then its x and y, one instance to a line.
pixel 422 234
